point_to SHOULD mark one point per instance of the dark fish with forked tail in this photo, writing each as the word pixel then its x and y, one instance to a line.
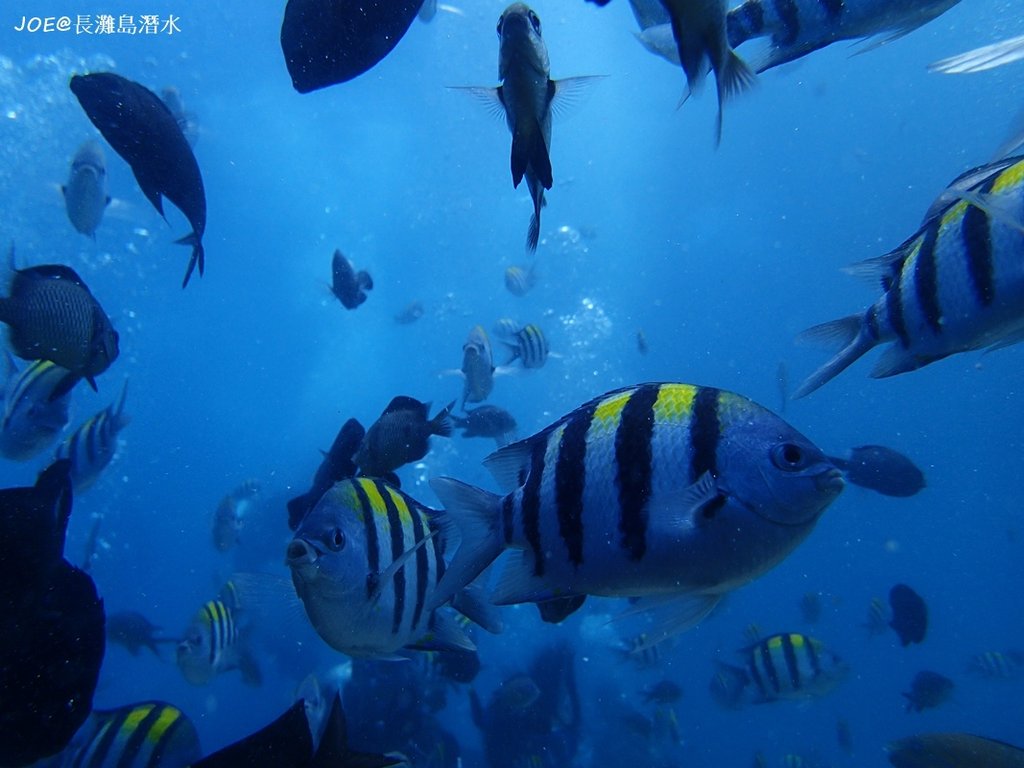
pixel 401 435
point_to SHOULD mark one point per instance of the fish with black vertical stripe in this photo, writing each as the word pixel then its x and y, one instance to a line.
pixel 956 285
pixel 94 444
pixel 215 642
pixel 791 665
pixel 365 563
pixel 673 493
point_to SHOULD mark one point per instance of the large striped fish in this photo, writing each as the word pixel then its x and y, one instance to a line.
pixel 957 284
pixel 32 415
pixel 792 666
pixel 672 491
pixel 93 445
pixel 799 27
pixel 365 562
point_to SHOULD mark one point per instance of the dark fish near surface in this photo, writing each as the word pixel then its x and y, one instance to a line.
pixel 142 130
pixel 51 623
pixel 93 445
pixel 487 421
pixel 348 285
pixel 401 435
pixel 326 42
pixel 337 465
pixel 953 750
pixel 133 631
pixel 957 284
pixel 530 346
pixel 149 734
pixel 717 491
pixel 909 614
pixel 85 194
pixel 53 316
pixel 32 417
pixel 171 96
pixel 928 690
pixel 477 367
pixel 699 29
pixel 881 469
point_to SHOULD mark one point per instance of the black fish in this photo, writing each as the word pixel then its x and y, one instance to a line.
pixel 347 284
pixel 487 421
pixel 881 469
pixel 51 623
pixel 928 690
pixel 935 750
pixel 459 665
pixel 401 435
pixel 289 742
pixel 144 132
pixel 53 316
pixel 134 632
pixel 336 465
pixel 662 692
pixel 326 42
pixel 909 614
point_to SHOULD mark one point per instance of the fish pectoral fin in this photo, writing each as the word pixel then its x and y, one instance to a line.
pixel 668 615
pixel 1001 208
pixel 569 93
pixel 490 98
pixel 384 577
pixel 980 59
pixel 697 497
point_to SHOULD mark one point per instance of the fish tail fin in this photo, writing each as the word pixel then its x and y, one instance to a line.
pixel 198 255
pixel 734 77
pixel 477 513
pixel 846 331
pixel 442 423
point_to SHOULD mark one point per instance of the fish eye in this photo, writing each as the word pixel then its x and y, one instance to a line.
pixel 535 21
pixel 336 541
pixel 789 456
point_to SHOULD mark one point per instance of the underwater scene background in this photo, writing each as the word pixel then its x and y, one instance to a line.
pixel 719 256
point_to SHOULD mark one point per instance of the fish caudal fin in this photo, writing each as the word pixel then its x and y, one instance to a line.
pixel 530 151
pixel 442 423
pixel 198 256
pixel 847 331
pixel 477 513
pixel 734 77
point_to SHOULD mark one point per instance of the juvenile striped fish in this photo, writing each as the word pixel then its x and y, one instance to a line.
pixel 957 284
pixel 792 666
pixel 33 414
pixel 92 446
pixel 213 643
pixel 366 562
pixel 673 492
pixel 529 345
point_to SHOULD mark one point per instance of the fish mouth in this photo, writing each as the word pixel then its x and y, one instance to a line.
pixel 300 553
pixel 830 481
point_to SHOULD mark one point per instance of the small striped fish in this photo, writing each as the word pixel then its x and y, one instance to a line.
pixel 994 665
pixel 150 734
pixel 792 666
pixel 92 446
pixel 520 280
pixel 955 285
pixel 213 643
pixel 32 416
pixel 530 345
pixel 365 562
pixel 673 491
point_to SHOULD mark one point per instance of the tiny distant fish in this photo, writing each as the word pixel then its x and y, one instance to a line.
pixel 810 607
pixel 213 643
pixel 881 469
pixel 640 650
pixel 519 692
pixel 171 96
pixel 909 614
pixel 530 346
pixel 337 464
pixel 401 435
pixel 348 285
pixel 229 517
pixel 662 692
pixel 32 417
pixel 955 285
pixel 519 280
pixel 142 130
pixel 477 366
pixel 927 691
pixel 877 622
pixel 412 312
pixel 994 665
pixel 844 736
pixel 487 421
pixel 85 194
pixel 792 666
pixel 641 342
pixel 149 733
pixel 133 631
pixel 53 316
pixel 981 59
pixel 92 446
pixel 932 750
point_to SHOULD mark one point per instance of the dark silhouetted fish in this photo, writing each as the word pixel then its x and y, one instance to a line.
pixel 336 465
pixel 956 750
pixel 909 614
pixel 51 623
pixel 881 469
pixel 348 285
pixel 928 690
pixel 400 435
pixel 133 631
pixel 53 316
pixel 144 132
pixel 326 42
pixel 487 421
pixel 85 194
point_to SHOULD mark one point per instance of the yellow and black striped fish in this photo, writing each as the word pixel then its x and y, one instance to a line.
pixel 669 490
pixel 995 665
pixel 150 734
pixel 33 412
pixel 214 644
pixel 366 561
pixel 792 666
pixel 92 446
pixel 957 284
pixel 530 345
pixel 520 280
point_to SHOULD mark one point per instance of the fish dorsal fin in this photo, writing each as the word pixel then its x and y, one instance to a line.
pixel 883 268
pixel 968 180
pixel 510 464
pixel 53 272
pixel 380 580
pixel 406 403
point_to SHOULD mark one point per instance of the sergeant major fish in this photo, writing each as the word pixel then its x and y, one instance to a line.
pixel 85 194
pixel 520 280
pixel 32 416
pixel 957 284
pixel 530 346
pixel 401 435
pixel 792 666
pixel 365 563
pixel 671 491
pixel 214 643
pixel 229 517
pixel 92 446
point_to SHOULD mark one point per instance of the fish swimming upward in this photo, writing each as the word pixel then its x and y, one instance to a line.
pixel 143 131
pixel 85 194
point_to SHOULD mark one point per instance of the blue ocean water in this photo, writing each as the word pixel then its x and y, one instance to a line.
pixel 720 256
